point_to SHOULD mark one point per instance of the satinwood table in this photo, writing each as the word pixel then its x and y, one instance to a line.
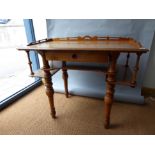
pixel 92 49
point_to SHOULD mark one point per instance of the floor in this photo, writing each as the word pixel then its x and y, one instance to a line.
pixel 76 116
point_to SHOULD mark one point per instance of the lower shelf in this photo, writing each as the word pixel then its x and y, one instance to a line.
pixel 40 73
pixel 123 76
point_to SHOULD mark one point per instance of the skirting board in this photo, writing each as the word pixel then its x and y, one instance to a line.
pixel 147 92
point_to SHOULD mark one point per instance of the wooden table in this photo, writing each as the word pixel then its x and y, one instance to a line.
pixel 90 49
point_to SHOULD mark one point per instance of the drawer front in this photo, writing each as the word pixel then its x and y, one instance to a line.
pixel 78 56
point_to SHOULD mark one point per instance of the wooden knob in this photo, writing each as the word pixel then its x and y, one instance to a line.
pixel 74 56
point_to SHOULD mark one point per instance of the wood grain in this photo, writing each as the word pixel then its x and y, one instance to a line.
pixel 110 88
pixel 77 56
pixel 91 43
pixel 65 78
pixel 49 85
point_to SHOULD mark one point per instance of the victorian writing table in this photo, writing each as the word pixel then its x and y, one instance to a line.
pixel 92 49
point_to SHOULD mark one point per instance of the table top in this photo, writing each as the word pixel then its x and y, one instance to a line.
pixel 87 43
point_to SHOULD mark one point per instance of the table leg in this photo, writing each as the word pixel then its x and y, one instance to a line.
pixel 65 78
pixel 29 62
pixel 136 68
pixel 49 85
pixel 110 87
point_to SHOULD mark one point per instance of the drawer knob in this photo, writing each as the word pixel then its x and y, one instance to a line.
pixel 74 56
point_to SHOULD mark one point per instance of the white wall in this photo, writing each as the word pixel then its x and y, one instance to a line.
pixel 91 83
pixel 149 77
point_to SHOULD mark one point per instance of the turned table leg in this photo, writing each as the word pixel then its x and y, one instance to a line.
pixel 49 85
pixel 110 86
pixel 136 68
pixel 29 62
pixel 65 77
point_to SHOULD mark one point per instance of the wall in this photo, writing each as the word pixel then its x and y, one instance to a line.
pixel 90 83
pixel 149 78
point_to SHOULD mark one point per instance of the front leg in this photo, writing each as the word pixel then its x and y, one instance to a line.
pixel 110 88
pixel 49 85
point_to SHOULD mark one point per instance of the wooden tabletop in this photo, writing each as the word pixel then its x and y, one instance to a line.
pixel 87 43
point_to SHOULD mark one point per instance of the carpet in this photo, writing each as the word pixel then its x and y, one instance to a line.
pixel 77 115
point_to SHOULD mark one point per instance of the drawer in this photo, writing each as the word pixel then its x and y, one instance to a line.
pixel 78 56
